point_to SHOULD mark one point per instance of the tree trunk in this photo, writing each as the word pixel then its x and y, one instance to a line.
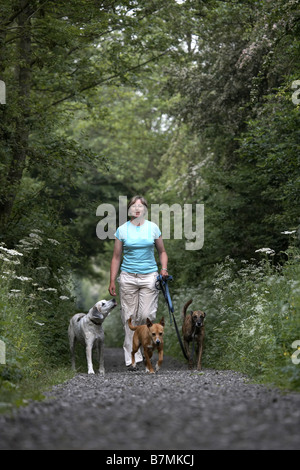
pixel 20 141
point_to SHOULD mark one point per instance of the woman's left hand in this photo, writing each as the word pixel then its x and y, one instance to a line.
pixel 164 273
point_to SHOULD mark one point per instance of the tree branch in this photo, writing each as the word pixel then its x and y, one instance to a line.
pixel 16 14
pixel 100 82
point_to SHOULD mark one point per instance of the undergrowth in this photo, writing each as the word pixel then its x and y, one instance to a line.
pixel 253 319
pixel 35 308
pixel 252 322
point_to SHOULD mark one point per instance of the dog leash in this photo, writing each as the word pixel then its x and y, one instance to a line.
pixel 162 284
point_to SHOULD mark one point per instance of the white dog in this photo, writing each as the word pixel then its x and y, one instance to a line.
pixel 87 329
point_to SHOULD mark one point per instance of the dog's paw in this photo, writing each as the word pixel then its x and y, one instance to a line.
pixel 91 372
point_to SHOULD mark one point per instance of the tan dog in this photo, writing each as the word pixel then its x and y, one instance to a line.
pixel 150 337
pixel 193 331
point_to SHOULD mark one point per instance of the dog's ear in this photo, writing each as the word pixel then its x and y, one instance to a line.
pixel 191 312
pixel 162 321
pixel 204 314
pixel 98 305
pixel 95 310
pixel 149 323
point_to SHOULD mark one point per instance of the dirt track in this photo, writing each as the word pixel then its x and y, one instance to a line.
pixel 175 409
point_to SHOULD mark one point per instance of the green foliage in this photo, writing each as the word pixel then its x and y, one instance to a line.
pixel 184 102
pixel 236 146
pixel 253 317
pixel 36 306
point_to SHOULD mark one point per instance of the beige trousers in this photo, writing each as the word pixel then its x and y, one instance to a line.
pixel 139 299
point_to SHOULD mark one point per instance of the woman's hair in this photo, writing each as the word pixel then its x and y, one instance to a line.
pixel 135 198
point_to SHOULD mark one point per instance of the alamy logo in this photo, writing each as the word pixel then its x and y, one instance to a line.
pixel 296 94
pixel 2 352
pixel 185 222
pixel 295 358
pixel 2 92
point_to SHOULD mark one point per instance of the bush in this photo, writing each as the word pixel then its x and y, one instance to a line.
pixel 35 306
pixel 253 317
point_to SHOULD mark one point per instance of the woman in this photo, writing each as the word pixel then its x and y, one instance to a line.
pixel 138 295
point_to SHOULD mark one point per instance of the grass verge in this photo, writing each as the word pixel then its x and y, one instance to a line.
pixel 20 394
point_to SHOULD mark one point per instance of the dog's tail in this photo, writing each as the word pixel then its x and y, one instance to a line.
pixel 133 328
pixel 185 308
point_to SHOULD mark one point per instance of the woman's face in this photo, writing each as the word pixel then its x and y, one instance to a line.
pixel 137 209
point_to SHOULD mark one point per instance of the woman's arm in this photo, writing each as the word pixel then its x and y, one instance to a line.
pixel 115 265
pixel 163 257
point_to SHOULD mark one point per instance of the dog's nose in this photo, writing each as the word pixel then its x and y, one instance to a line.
pixel 158 341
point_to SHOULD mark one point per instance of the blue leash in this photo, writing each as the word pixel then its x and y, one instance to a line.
pixel 162 284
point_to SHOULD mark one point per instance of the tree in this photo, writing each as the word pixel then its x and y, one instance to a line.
pixel 229 99
pixel 54 55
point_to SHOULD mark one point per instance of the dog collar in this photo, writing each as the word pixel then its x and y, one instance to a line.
pixel 95 322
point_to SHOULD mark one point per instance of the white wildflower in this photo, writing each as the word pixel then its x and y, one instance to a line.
pixel 259 308
pixel 64 297
pixel 54 242
pixel 11 252
pixel 36 238
pixel 4 258
pixel 49 289
pixel 24 242
pixel 289 233
pixel 23 278
pixel 38 323
pixel 268 251
pixel 7 260
pixel 41 267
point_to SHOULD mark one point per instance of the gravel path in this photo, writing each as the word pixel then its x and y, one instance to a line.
pixel 175 409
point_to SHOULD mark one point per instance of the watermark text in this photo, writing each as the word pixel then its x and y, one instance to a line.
pixel 2 352
pixel 2 92
pixel 176 221
pixel 296 94
pixel 296 353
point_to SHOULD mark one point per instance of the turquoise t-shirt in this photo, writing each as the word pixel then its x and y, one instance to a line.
pixel 138 247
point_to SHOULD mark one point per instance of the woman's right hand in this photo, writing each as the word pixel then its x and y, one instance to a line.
pixel 112 288
pixel 114 267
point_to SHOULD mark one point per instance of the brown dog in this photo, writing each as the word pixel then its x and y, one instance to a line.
pixel 193 331
pixel 150 337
